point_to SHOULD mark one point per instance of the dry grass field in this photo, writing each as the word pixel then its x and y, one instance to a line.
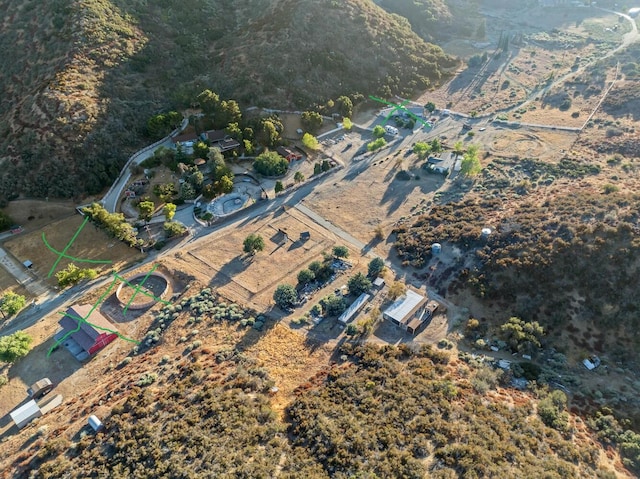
pixel 92 243
pixel 557 44
pixel 219 261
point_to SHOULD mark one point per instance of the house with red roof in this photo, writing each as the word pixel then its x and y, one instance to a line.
pixel 85 332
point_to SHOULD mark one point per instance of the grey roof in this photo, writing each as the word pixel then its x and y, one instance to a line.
pixel 353 309
pixel 404 306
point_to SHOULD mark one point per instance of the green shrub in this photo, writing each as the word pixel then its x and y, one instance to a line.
pixel 146 379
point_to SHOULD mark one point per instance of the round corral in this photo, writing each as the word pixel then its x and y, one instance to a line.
pixel 142 291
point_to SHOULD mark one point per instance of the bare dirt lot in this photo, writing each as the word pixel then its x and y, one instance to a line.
pixel 219 261
pixel 92 243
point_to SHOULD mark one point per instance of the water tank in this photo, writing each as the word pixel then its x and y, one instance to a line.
pixel 95 423
pixel 436 248
pixel 486 232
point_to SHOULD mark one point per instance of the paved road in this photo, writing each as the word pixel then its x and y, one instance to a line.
pixel 110 200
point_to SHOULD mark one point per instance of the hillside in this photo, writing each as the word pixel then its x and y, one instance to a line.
pixel 208 408
pixel 81 78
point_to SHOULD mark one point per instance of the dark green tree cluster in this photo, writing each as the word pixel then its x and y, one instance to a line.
pixel 160 125
pixel 333 305
pixel 253 244
pixel 221 112
pixel 525 335
pixel 376 266
pixel 5 221
pixel 270 163
pixel 358 284
pixel 113 223
pixel 285 296
pixel 311 121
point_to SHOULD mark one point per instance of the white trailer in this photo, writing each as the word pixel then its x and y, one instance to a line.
pixel 392 130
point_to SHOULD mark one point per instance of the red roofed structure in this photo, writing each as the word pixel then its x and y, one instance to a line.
pixel 85 332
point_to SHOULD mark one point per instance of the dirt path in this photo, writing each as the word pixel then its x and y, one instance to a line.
pixel 628 39
pixel 17 270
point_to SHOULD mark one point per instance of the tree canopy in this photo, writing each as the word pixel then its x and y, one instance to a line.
pixel 397 289
pixel 253 243
pixel 522 334
pixel 311 120
pixel 310 141
pixel 146 209
pixel 11 303
pixel 285 296
pixel 376 265
pixel 333 305
pixel 305 276
pixel 72 275
pixel 114 223
pixel 358 284
pixel 421 149
pixel 340 251
pixel 14 346
pixel 378 131
pixel 270 163
pixel 345 106
pixel 169 211
pixel 470 165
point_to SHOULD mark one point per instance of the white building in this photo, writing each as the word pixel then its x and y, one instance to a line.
pixel 404 308
pixel 352 310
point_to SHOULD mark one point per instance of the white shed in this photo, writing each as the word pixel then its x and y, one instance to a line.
pixel 25 414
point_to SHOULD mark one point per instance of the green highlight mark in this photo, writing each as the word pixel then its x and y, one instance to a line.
pixel 80 320
pixel 396 107
pixel 84 320
pixel 62 254
pixel 138 290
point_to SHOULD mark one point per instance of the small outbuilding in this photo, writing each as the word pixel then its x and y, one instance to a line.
pixel 378 283
pixel 288 153
pixel 27 264
pixel 352 310
pixel 95 423
pixel 25 414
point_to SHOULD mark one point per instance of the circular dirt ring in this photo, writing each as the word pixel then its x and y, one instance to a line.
pixel 133 295
pixel 518 144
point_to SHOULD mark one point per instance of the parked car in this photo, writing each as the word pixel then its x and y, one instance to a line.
pixel 40 388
